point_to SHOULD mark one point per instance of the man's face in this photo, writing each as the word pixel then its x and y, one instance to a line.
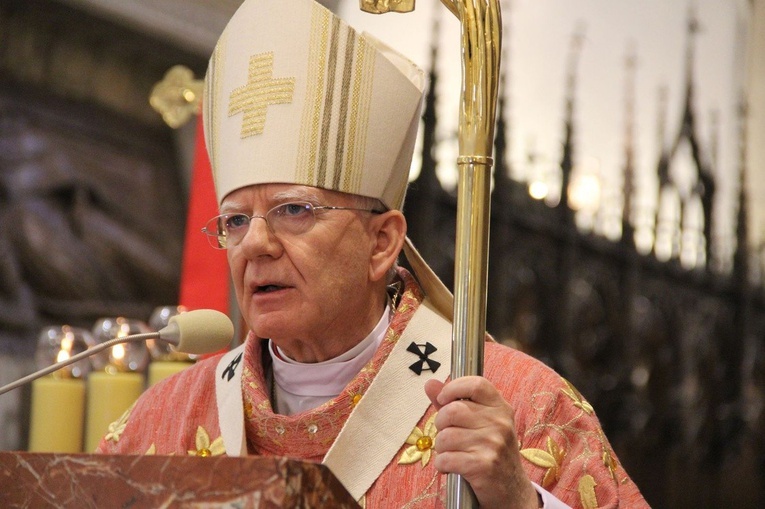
pixel 310 293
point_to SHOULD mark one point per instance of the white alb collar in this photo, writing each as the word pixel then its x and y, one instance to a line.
pixel 302 386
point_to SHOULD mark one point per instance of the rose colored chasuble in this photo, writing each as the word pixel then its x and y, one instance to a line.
pixel 563 447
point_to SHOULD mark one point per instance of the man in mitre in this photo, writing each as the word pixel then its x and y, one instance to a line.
pixel 310 128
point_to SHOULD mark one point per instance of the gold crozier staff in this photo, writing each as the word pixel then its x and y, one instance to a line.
pixel 481 36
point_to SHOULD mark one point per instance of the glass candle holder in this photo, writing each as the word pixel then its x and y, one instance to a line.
pixel 118 381
pixel 160 350
pixel 125 357
pixel 57 343
pixel 57 410
pixel 166 361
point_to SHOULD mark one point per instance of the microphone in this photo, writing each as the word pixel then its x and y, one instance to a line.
pixel 195 332
pixel 198 332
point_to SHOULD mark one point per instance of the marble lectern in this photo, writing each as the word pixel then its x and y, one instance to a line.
pixel 91 480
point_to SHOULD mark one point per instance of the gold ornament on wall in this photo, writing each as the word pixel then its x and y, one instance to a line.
pixel 178 96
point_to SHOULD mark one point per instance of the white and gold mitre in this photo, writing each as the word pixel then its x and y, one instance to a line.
pixel 295 95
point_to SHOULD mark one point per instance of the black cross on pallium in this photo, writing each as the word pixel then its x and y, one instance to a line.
pixel 419 366
pixel 228 373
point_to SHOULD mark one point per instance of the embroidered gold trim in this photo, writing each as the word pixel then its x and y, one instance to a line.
pixel 309 126
pixel 329 105
pixel 354 114
pixel 421 443
pixel 115 429
pixel 340 137
pixel 610 463
pixel 360 112
pixel 576 397
pixel 210 102
pixel 430 492
pixel 587 492
pixel 551 459
pixel 261 91
pixel 204 447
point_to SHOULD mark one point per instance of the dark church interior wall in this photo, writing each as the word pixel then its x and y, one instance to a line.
pixel 92 195
pixel 92 203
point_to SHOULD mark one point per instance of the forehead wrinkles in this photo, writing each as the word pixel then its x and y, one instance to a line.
pixel 230 206
pixel 296 194
pixel 243 203
pixel 315 196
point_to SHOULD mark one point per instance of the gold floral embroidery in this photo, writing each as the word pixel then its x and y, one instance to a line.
pixel 550 459
pixel 609 462
pixel 203 446
pixel 421 443
pixel 152 450
pixel 115 429
pixel 587 492
pixel 576 397
pixel 355 399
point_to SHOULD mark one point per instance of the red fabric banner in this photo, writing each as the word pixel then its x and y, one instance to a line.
pixel 204 270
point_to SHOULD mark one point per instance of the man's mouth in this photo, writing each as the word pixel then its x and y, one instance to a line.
pixel 267 288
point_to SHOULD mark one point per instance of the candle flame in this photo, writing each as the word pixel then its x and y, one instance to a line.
pixel 124 329
pixel 67 342
pixel 118 352
pixel 62 355
pixel 538 190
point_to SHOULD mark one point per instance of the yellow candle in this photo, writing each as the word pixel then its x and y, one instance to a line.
pixel 159 370
pixel 58 407
pixel 109 395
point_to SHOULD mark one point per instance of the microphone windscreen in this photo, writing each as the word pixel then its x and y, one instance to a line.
pixel 200 331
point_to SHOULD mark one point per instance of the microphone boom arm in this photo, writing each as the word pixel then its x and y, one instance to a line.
pixel 195 332
pixel 75 358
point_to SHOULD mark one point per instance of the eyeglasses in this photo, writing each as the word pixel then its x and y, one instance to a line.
pixel 228 230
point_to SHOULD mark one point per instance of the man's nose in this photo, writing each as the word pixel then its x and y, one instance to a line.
pixel 259 239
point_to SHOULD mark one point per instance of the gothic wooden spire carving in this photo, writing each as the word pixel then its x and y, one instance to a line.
pixel 628 231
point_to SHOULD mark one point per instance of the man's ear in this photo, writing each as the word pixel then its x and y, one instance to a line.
pixel 389 232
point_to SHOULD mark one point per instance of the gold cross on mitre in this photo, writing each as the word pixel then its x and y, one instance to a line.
pixel 261 91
